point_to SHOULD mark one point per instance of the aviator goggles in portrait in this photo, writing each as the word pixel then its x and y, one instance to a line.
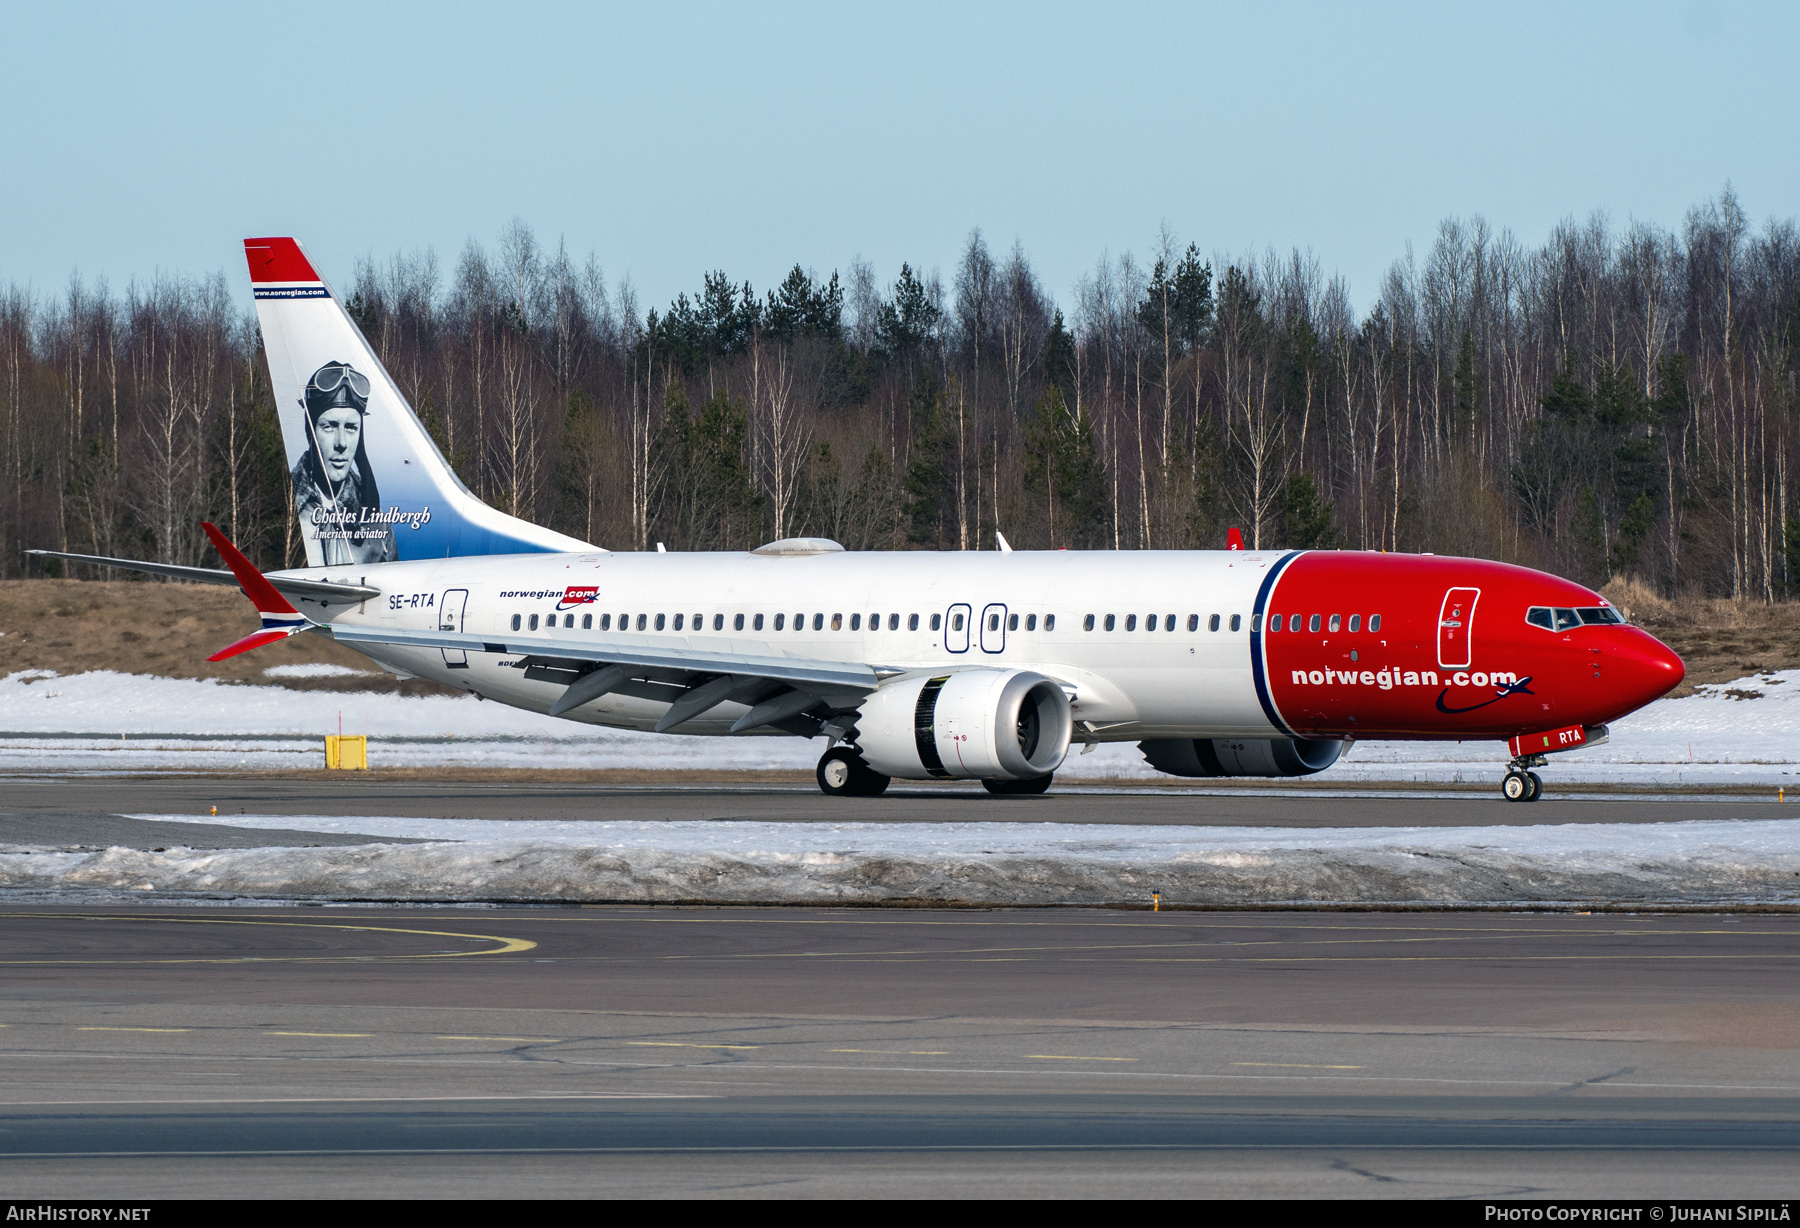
pixel 329 379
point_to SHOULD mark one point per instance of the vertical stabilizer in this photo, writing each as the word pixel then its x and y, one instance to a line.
pixel 370 486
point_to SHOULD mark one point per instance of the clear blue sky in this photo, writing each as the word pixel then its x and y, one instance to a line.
pixel 674 139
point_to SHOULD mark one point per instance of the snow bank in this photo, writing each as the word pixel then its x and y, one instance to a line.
pixel 965 863
pixel 1743 732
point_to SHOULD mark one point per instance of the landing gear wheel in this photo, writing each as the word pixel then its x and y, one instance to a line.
pixel 1537 786
pixel 1018 788
pixel 842 773
pixel 1515 788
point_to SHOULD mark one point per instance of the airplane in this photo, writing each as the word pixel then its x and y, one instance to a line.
pixel 915 665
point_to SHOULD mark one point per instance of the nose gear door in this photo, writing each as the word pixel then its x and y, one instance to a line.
pixel 1456 625
pixel 993 629
pixel 451 607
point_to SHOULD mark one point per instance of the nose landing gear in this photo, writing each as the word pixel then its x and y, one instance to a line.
pixel 1521 784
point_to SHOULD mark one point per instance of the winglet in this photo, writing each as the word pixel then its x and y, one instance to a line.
pixel 279 618
pixel 261 593
pixel 1234 539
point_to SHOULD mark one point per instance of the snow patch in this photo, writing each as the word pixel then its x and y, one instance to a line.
pixel 318 669
pixel 961 863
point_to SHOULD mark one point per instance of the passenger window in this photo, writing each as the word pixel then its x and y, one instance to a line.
pixel 1337 621
pixel 719 622
pixel 1193 622
pixel 837 622
pixel 1131 622
pixel 937 620
pixel 819 622
pixel 1087 624
pixel 956 622
pixel 661 621
pixel 1540 616
pixel 856 622
pixel 1212 624
pixel 1256 622
pixel 606 622
pixel 1049 622
pixel 677 622
pixel 1294 622
pixel 515 622
pixel 1110 622
pixel 1237 620
pixel 874 622
pixel 894 622
pixel 1012 623
pixel 757 624
pixel 643 621
pixel 534 622
pixel 1312 624
pixel 1030 622
pixel 799 622
pixel 587 622
pixel 993 622
pixel 780 619
pixel 1356 622
pixel 1374 623
pixel 1168 622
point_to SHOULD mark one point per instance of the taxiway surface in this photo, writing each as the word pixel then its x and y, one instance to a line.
pixel 467 1052
pixel 1252 806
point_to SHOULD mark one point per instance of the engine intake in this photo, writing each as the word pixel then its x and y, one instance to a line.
pixel 986 724
pixel 1241 756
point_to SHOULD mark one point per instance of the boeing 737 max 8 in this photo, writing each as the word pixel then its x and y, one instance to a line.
pixel 919 665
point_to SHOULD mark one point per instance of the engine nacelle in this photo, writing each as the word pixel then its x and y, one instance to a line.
pixel 986 724
pixel 1241 756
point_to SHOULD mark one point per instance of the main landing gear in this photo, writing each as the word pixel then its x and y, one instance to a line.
pixel 842 773
pixel 1521 784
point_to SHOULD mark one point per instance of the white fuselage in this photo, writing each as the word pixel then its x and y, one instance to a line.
pixel 1018 610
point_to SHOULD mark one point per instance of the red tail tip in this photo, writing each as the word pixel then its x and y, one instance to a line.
pixel 277 260
pixel 1234 539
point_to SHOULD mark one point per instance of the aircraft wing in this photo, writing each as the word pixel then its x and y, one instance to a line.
pixel 289 586
pixel 638 651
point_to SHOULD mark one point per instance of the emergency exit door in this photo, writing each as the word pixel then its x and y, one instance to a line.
pixel 993 629
pixel 1456 626
pixel 451 608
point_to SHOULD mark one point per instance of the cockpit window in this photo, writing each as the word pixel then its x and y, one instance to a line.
pixel 1559 619
pixel 1600 616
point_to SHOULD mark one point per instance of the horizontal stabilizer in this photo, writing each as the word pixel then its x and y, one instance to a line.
pixel 291 587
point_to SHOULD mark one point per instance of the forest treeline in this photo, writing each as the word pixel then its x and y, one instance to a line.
pixel 1616 401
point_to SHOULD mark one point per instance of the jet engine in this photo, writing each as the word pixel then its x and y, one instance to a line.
pixel 986 724
pixel 1241 756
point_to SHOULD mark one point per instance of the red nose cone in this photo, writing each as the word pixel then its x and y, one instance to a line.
pixel 1645 668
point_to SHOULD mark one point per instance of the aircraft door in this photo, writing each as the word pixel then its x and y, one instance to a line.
pixel 451 608
pixel 993 629
pixel 1456 627
pixel 956 629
